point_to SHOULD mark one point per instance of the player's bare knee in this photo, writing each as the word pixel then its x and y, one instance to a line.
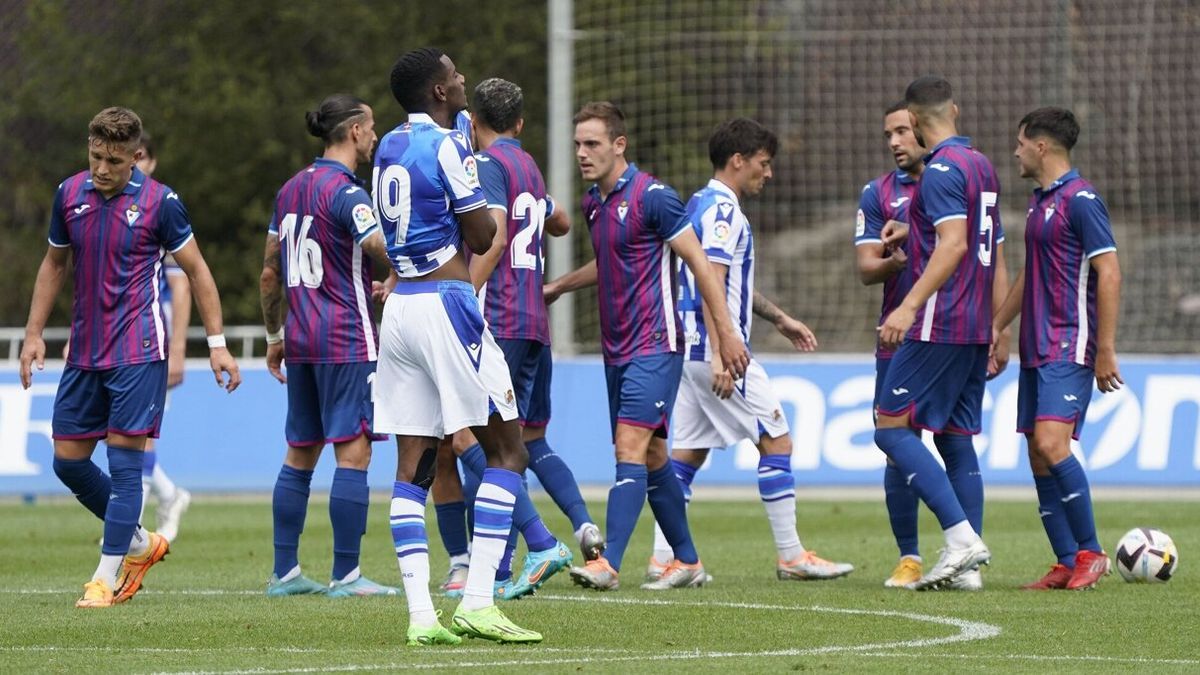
pixel 1051 447
pixel 303 457
pixel 355 454
pixel 693 458
pixel 775 446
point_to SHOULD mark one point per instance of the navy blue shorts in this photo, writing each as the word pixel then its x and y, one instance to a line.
pixel 1059 391
pixel 126 400
pixel 881 369
pixel 941 385
pixel 642 392
pixel 329 403
pixel 531 368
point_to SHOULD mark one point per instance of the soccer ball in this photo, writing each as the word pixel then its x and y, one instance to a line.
pixel 1146 555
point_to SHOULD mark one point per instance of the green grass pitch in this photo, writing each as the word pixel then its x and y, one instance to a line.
pixel 203 609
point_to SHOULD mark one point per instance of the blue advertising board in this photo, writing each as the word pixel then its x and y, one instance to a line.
pixel 1146 434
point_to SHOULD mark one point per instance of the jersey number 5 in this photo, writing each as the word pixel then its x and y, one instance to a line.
pixel 303 254
pixel 987 232
pixel 530 236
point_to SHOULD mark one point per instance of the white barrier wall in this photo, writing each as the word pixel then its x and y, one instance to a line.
pixel 1147 434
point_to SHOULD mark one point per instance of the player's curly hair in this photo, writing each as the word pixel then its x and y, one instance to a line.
pixel 740 136
pixel 331 121
pixel 498 103
pixel 413 75
pixel 116 126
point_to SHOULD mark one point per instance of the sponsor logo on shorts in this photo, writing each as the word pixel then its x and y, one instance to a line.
pixel 899 391
pixel 1070 397
pixel 777 415
pixel 508 397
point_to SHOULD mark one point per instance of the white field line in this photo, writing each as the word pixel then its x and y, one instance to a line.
pixel 967 631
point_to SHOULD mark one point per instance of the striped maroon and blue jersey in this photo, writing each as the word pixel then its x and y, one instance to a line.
pixel 888 197
pixel 118 246
pixel 1066 227
pixel 320 217
pixel 512 296
pixel 959 182
pixel 635 267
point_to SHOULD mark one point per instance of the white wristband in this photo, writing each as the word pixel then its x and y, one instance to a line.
pixel 276 337
pixel 216 341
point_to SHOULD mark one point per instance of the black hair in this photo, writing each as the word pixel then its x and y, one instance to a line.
pixel 147 145
pixel 412 76
pixel 927 91
pixel 498 104
pixel 896 107
pixel 330 122
pixel 740 135
pixel 1057 123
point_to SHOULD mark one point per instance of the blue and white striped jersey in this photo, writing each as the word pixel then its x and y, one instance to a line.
pixel 724 232
pixel 424 174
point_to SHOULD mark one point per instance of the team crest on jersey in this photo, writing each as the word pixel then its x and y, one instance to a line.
pixel 860 224
pixel 622 209
pixel 1049 214
pixel 131 214
pixel 472 170
pixel 364 217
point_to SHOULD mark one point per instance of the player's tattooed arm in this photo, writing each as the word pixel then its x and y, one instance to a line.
pixel 793 329
pixel 270 286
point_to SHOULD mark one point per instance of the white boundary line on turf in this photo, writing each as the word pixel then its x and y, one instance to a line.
pixel 967 631
pixel 1041 657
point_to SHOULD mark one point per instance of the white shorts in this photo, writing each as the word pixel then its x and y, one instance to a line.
pixel 439 368
pixel 700 420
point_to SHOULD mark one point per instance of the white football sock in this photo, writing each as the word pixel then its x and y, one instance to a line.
pixel 162 486
pixel 107 570
pixel 960 535
pixel 487 547
pixel 663 552
pixel 781 514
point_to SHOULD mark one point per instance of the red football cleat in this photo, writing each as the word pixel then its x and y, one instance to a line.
pixel 1057 577
pixel 1089 567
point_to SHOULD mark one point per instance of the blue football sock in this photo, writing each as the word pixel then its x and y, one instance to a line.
pixel 1054 520
pixel 1077 502
pixel 289 506
pixel 557 480
pixel 87 482
pixel 452 525
pixel 686 473
pixel 902 506
pixel 922 472
pixel 665 493
pixel 962 468
pixel 625 500
pixel 149 458
pixel 524 516
pixel 348 501
pixel 125 506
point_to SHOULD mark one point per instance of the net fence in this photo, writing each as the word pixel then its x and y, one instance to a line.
pixel 820 73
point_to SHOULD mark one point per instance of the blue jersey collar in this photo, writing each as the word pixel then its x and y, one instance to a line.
pixel 963 141
pixel 630 172
pixel 903 177
pixel 131 188
pixel 1062 180
pixel 334 164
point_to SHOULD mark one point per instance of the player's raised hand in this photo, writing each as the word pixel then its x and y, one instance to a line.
pixel 896 326
pixel 222 363
pixel 275 361
pixel 32 352
pixel 734 354
pixel 722 381
pixel 1108 375
pixel 793 329
pixel 894 234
